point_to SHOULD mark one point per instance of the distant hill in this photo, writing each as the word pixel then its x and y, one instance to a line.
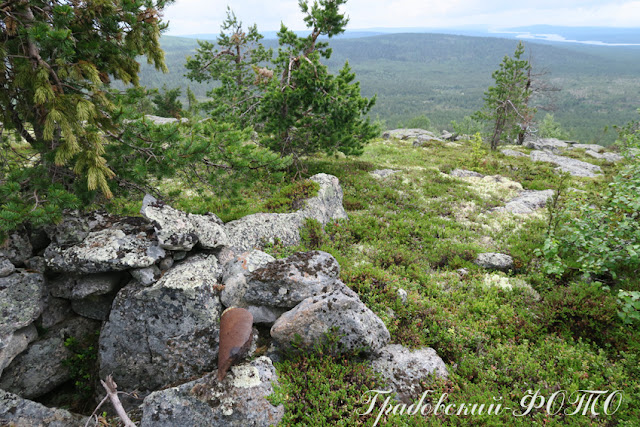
pixel 444 77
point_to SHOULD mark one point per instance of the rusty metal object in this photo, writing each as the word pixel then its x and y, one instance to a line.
pixel 236 326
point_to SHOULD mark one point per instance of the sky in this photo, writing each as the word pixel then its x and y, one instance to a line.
pixel 205 16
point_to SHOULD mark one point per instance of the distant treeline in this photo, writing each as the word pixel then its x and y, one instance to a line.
pixel 443 77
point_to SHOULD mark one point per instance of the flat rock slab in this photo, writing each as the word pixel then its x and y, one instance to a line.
pixel 566 164
pixel 463 173
pixel 14 344
pixel 166 332
pixel 124 243
pixel 239 400
pixel 358 327
pixel 407 134
pixel 592 147
pixel 551 144
pixel 527 202
pixel 405 369
pixel 19 412
pixel 609 157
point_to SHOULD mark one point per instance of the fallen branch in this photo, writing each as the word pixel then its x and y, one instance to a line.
pixel 112 394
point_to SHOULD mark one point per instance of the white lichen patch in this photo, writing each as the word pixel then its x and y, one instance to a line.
pixel 245 376
pixel 507 283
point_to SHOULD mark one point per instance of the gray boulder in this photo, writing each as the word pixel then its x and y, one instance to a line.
pixel 21 301
pixel 13 344
pixel 167 332
pixel 405 134
pixel 210 231
pixel 287 282
pixel 513 153
pixel 6 267
pixel 254 231
pixel 404 369
pixel 234 279
pixel 527 202
pixel 495 261
pixel 239 400
pixel 40 368
pixel 16 248
pixel 566 164
pixel 551 144
pixel 157 120
pixel 359 328
pixel 19 412
pixel 127 243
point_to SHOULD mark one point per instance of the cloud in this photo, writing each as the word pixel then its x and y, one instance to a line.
pixel 205 16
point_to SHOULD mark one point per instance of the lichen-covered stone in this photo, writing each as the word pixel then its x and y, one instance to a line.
pixel 567 164
pixel 495 261
pixel 96 307
pixel 286 282
pixel 527 202
pixel 19 412
pixel 146 276
pixel 21 302
pixel 6 267
pixel 551 144
pixel 239 400
pixel 173 228
pixel 76 287
pixel 41 367
pixel 404 369
pixel 166 332
pixel 358 327
pixel 127 243
pixel 210 231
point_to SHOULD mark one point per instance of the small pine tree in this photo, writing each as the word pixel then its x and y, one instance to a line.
pixel 167 103
pixel 506 103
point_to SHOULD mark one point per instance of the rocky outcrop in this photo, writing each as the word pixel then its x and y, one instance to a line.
pixel 608 157
pixel 495 261
pixel 513 153
pixel 463 173
pixel 404 370
pixel 16 411
pixel 566 164
pixel 238 400
pixel 17 249
pixel 254 231
pixel 357 326
pixel 166 332
pixel 404 134
pixel 551 144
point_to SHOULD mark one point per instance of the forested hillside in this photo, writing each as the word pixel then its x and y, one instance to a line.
pixel 443 77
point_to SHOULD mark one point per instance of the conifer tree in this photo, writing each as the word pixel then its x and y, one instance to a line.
pixel 56 60
pixel 506 103
pixel 295 104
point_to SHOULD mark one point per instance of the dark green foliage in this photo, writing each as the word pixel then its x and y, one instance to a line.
pixel 293 101
pixel 311 234
pixel 167 103
pixel 237 63
pixel 506 104
pixel 290 198
pixel 324 386
pixel 55 63
pixel 83 367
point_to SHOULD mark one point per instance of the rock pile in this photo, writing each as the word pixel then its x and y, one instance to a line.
pixel 155 288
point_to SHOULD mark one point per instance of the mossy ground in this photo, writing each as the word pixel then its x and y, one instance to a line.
pixel 413 230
